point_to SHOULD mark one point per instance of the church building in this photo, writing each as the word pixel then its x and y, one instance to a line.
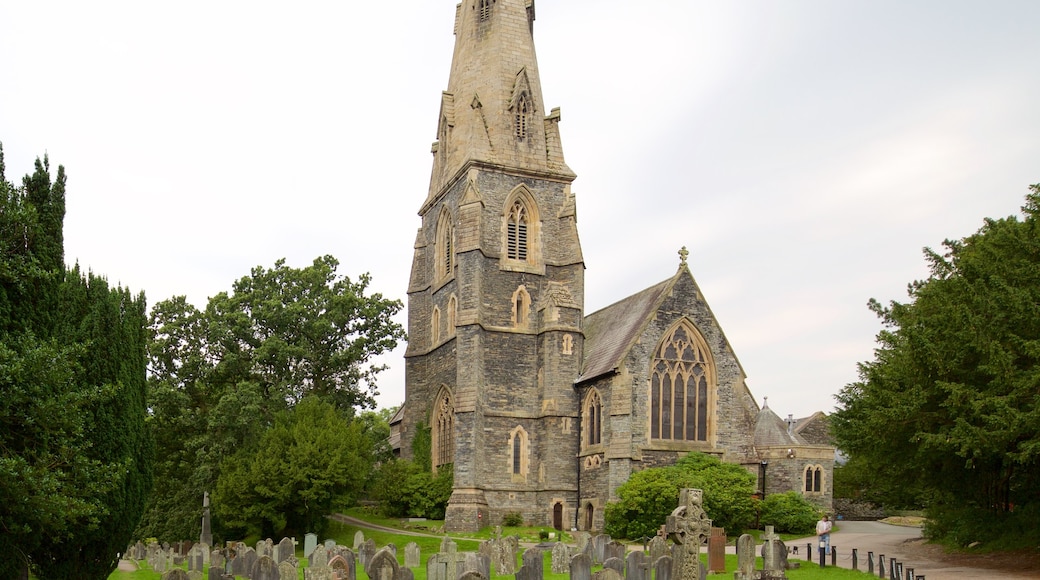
pixel 537 407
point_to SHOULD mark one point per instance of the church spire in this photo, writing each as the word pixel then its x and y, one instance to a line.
pixel 492 113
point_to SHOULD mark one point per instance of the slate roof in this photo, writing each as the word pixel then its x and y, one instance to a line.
pixel 772 431
pixel 610 332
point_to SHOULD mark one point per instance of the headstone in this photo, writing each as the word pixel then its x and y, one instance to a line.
pixel 637 567
pixel 472 575
pixel 330 545
pixel 503 555
pixel 286 548
pixel 689 526
pixel 196 558
pixel 216 560
pixel 215 573
pixel 717 550
pixel 176 574
pixel 533 566
pixel 412 555
pixel 599 544
pixel 310 541
pixel 265 568
pixel 448 545
pixel 581 567
pixel 366 551
pixel 663 567
pixel 658 548
pixel 341 569
pixel 616 564
pixel 745 558
pixel 581 540
pixel 445 565
pixel 614 549
pixel 319 558
pixel 288 571
pixel 248 557
pixel 359 538
pixel 477 563
pixel 771 551
pixel 607 573
pixel 382 565
pixel 561 558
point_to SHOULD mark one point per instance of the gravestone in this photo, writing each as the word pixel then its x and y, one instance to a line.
pixel 340 568
pixel 448 545
pixel 689 526
pixel 382 565
pixel 265 548
pixel 581 567
pixel 412 555
pixel 478 563
pixel 472 575
pixel 581 540
pixel 216 560
pixel 637 567
pixel 248 558
pixel 616 564
pixel 607 573
pixel 445 565
pixel 359 538
pixel 717 550
pixel 288 571
pixel 206 537
pixel 745 558
pixel 176 574
pixel 599 544
pixel 663 568
pixel 215 573
pixel 365 552
pixel 561 558
pixel 614 549
pixel 319 558
pixel 196 558
pixel 286 548
pixel 265 568
pixel 533 566
pixel 658 548
pixel 774 552
pixel 330 545
pixel 503 555
pixel 310 541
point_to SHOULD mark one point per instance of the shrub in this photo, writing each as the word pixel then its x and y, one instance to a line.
pixel 543 535
pixel 789 513
pixel 513 519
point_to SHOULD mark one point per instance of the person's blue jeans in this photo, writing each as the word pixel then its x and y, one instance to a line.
pixel 825 540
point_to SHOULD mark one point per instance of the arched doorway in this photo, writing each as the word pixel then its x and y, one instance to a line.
pixel 589 513
pixel 558 515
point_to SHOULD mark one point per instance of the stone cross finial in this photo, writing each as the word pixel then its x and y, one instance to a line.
pixel 683 254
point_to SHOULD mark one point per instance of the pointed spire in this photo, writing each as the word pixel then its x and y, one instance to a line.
pixel 492 112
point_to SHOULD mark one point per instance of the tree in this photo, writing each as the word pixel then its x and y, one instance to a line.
pixel 949 400
pixel 74 453
pixel 789 513
pixel 311 458
pixel 220 376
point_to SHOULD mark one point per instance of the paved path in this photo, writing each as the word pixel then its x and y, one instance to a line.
pixel 892 541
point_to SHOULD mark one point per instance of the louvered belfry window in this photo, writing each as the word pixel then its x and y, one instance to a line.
pixel 523 109
pixel 485 9
pixel 516 234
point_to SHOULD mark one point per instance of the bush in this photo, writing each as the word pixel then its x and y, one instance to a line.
pixel 543 535
pixel 513 519
pixel 405 489
pixel 789 513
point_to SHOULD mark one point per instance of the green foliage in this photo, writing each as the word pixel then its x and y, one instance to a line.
pixel 649 496
pixel 311 458
pixel 220 376
pixel 949 401
pixel 789 513
pixel 513 519
pixel 422 449
pixel 75 456
pixel 405 489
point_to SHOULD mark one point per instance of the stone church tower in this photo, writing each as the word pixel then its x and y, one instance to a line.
pixel 497 283
pixel 537 408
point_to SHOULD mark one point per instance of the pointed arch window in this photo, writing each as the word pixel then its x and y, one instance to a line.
pixel 518 443
pixel 813 479
pixel 681 379
pixel 592 419
pixel 443 431
pixel 516 231
pixel 445 246
pixel 522 114
pixel 521 306
pixel 435 326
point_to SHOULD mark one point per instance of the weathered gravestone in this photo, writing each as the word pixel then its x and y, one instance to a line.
pixel 581 540
pixel 476 563
pixel 365 552
pixel 448 545
pixel 265 548
pixel 445 565
pixel 503 554
pixel 382 565
pixel 412 555
pixel 248 557
pixel 265 568
pixel 286 548
pixel 196 558
pixel 581 567
pixel 287 571
pixel 607 573
pixel 637 567
pixel 599 545
pixel 341 568
pixel 663 568
pixel 359 538
pixel 175 574
pixel 745 558
pixel 533 566
pixel 330 545
pixel 215 573
pixel 310 541
pixel 561 558
pixel 319 558
pixel 772 561
pixel 616 564
pixel 689 526
pixel 658 548
pixel 717 550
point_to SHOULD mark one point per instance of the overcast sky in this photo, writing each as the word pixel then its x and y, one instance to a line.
pixel 805 151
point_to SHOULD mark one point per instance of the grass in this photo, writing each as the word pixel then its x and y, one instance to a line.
pixel 343 534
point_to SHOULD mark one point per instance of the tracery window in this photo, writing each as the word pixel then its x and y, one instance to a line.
pixel 522 116
pixel 516 231
pixel 679 383
pixel 592 419
pixel 443 435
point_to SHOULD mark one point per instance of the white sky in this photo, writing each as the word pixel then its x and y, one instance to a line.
pixel 805 151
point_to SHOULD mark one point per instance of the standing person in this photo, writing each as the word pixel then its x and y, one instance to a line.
pixel 823 530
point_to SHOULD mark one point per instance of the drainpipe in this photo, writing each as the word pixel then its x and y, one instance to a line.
pixel 577 458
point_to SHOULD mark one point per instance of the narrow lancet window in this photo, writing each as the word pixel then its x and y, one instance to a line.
pixel 516 234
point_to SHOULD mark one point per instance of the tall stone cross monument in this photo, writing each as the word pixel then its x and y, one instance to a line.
pixel 689 526
pixel 207 536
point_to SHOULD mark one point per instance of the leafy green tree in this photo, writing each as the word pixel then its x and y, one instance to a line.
pixel 219 377
pixel 310 459
pixel 789 513
pixel 405 489
pixel 949 400
pixel 728 490
pixel 74 454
